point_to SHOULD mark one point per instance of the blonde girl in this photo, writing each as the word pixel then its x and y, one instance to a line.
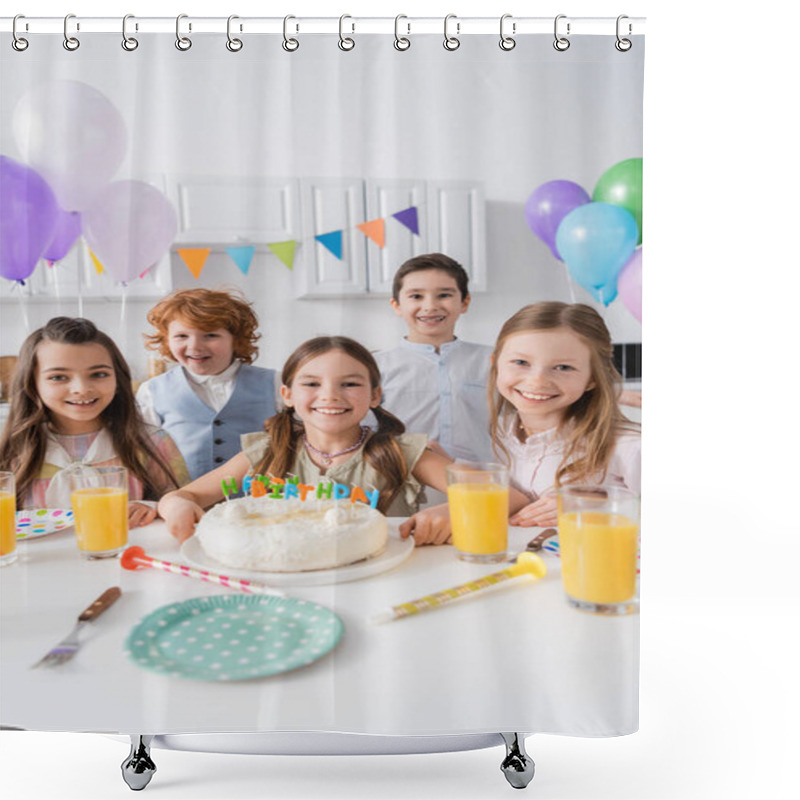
pixel 554 406
pixel 329 385
pixel 72 404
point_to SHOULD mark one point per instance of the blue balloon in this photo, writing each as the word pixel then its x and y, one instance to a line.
pixel 596 240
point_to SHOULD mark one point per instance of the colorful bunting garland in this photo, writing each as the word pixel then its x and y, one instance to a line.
pixel 333 241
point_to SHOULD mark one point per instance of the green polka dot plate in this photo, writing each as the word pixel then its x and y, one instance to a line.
pixel 233 637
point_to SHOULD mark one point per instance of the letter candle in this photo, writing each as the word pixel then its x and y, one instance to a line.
pixel 280 489
pixel 135 558
pixel 528 566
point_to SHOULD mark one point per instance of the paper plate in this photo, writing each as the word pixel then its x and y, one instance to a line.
pixel 396 552
pixel 233 637
pixel 38 522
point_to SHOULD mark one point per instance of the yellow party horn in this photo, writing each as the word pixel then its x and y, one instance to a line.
pixel 527 567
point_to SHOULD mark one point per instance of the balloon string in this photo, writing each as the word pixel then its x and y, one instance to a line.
pixel 571 288
pixel 123 313
pixel 80 288
pixel 23 307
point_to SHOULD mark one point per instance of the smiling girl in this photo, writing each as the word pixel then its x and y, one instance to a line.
pixel 554 406
pixel 329 384
pixel 72 404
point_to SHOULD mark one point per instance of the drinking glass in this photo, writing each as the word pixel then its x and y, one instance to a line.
pixel 100 504
pixel 477 493
pixel 598 532
pixel 8 522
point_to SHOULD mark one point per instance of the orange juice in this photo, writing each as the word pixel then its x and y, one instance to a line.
pixel 8 526
pixel 101 519
pixel 479 517
pixel 598 556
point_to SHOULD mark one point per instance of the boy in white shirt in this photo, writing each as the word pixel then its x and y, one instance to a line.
pixel 433 381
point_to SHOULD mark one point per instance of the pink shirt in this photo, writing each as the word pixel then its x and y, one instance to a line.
pixel 534 462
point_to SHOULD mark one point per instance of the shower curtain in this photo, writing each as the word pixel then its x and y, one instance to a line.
pixel 303 170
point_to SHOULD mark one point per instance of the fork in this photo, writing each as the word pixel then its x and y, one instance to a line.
pixel 69 645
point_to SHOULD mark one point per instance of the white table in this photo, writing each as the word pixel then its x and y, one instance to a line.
pixel 516 660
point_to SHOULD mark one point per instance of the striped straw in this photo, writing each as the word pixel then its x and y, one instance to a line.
pixel 136 558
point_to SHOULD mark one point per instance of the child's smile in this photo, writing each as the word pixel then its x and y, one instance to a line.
pixel 201 352
pixel 542 373
pixel 76 383
pixel 430 302
pixel 331 394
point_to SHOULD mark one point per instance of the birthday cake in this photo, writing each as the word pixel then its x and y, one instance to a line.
pixel 291 535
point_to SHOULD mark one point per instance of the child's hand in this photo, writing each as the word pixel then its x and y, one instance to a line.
pixel 541 513
pixel 140 514
pixel 430 526
pixel 180 514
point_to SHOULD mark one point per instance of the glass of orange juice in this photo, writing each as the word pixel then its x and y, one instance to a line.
pixel 477 493
pixel 100 506
pixel 598 533
pixel 8 522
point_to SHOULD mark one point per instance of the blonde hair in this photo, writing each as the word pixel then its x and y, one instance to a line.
pixel 381 451
pixel 592 424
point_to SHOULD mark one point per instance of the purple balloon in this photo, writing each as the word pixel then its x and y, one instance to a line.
pixel 28 213
pixel 629 284
pixel 68 229
pixel 129 227
pixel 548 205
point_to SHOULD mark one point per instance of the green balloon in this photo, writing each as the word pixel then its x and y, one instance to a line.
pixel 621 185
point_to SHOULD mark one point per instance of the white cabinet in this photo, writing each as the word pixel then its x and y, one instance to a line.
pixel 235 210
pixel 450 216
pixel 333 206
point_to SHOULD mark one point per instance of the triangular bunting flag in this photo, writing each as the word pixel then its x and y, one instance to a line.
pixel 284 251
pixel 98 267
pixel 241 256
pixel 333 241
pixel 375 229
pixel 194 258
pixel 408 217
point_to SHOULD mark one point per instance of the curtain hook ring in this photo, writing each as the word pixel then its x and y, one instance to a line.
pixel 451 42
pixel 345 42
pixel 234 45
pixel 18 42
pixel 70 42
pixel 129 43
pixel 561 43
pixel 401 42
pixel 182 42
pixel 289 45
pixel 507 42
pixel 623 45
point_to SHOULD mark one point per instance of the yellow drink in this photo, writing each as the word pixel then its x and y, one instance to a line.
pixel 101 519
pixel 598 556
pixel 479 517
pixel 8 525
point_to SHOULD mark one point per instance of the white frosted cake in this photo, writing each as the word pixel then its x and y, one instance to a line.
pixel 271 535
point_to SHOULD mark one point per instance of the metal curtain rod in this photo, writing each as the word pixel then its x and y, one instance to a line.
pixel 460 26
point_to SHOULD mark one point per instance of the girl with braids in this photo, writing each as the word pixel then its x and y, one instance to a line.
pixel 554 407
pixel 329 386
pixel 72 405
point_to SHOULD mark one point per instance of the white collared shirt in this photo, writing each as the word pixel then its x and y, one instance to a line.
pixel 442 394
pixel 213 390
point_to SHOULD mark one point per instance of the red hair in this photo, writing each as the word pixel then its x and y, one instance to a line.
pixel 207 310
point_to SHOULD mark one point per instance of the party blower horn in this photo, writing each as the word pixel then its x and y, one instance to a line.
pixel 527 567
pixel 136 558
